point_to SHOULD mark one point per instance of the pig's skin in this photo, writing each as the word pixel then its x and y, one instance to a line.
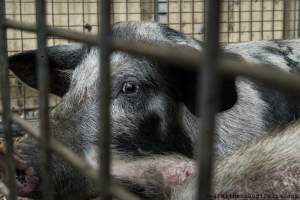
pixel 267 167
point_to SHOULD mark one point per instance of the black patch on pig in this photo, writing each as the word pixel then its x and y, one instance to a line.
pixel 171 34
pixel 150 140
pixel 285 52
pixel 282 107
pixel 59 59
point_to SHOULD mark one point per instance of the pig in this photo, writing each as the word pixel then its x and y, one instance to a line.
pixel 152 107
pixel 265 168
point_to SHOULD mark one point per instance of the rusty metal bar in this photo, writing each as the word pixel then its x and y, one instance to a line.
pixel 58 32
pixel 68 155
pixel 104 135
pixel 5 97
pixel 298 26
pixel 208 82
pixel 182 57
pixel 286 19
pixel 155 6
pixel 43 83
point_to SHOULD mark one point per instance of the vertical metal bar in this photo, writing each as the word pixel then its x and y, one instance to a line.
pixel 147 10
pixel 204 18
pixel 180 15
pixel 43 82
pixel 286 19
pixel 295 19
pixel 262 20
pixel 251 20
pixel 53 20
pixel 126 10
pixel 21 20
pixel 168 14
pixel 68 15
pixel 193 18
pixel 273 19
pixel 112 12
pixel 228 20
pixel 298 19
pixel 104 104
pixel 208 100
pixel 240 20
pixel 22 48
pixel 5 97
pixel 83 17
pixel 155 10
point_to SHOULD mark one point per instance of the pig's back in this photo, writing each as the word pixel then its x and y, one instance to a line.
pixel 259 109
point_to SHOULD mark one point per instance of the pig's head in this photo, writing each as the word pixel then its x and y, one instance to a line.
pixel 151 105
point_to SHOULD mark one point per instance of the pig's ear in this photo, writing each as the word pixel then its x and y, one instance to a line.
pixel 185 82
pixel 62 59
pixel 228 93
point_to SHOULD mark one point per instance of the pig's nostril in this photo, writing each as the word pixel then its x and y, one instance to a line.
pixel 20 176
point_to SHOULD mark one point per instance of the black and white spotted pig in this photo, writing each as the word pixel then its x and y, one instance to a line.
pixel 151 106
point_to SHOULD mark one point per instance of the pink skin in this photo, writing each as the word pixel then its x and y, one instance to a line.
pixel 26 180
pixel 173 171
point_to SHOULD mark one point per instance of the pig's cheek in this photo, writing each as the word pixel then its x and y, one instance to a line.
pixel 117 111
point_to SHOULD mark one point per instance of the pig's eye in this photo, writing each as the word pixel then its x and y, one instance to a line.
pixel 129 88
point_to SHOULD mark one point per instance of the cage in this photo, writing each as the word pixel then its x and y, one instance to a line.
pixel 240 21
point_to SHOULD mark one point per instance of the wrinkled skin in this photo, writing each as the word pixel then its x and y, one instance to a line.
pixel 265 168
pixel 151 108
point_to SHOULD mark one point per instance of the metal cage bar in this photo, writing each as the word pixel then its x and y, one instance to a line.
pixel 43 83
pixel 104 96
pixel 5 95
pixel 208 83
pixel 298 24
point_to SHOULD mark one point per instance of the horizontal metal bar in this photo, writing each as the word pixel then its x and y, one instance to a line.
pixel 58 32
pixel 182 57
pixel 73 159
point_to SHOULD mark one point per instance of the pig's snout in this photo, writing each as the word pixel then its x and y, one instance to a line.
pixel 26 179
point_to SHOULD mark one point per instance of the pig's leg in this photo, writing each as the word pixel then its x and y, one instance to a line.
pixel 154 177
